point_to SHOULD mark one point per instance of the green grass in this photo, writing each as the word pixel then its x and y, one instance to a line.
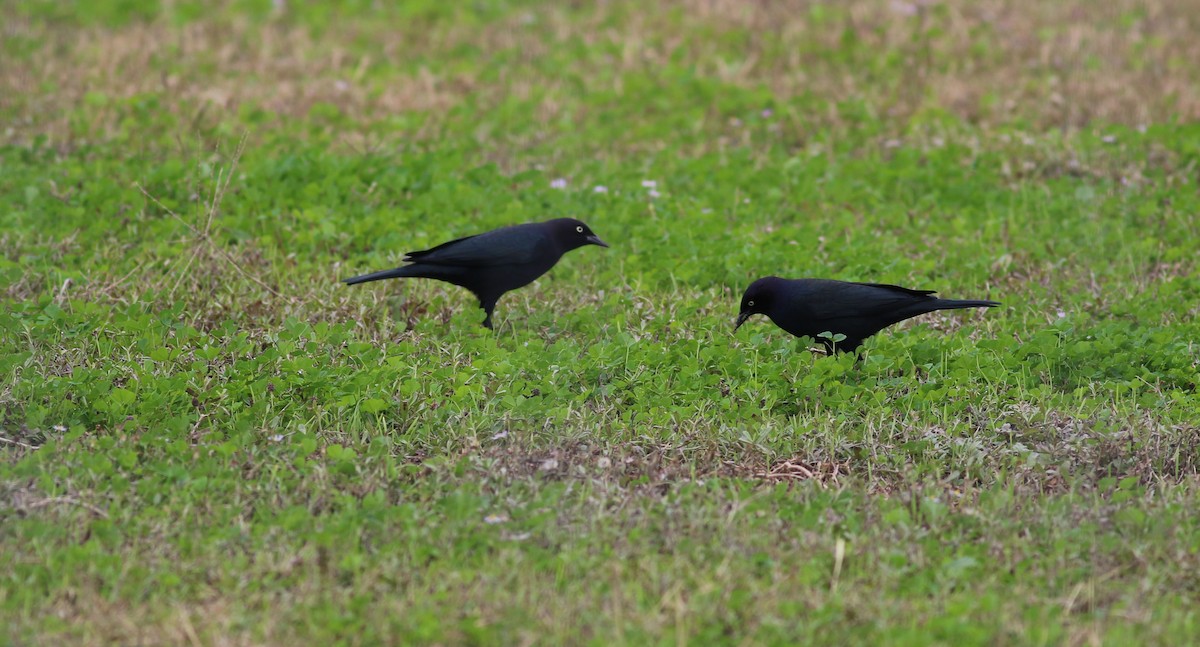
pixel 206 438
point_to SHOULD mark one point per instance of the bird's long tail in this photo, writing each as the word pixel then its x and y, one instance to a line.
pixel 956 304
pixel 395 273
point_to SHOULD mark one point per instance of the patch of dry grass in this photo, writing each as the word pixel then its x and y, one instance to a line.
pixel 1051 65
pixel 1056 63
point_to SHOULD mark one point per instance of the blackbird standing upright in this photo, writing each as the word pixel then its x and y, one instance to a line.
pixel 810 307
pixel 492 263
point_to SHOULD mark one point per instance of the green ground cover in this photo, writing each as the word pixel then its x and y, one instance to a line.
pixel 205 438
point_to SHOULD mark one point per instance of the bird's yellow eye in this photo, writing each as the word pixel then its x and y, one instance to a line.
pixel 750 303
pixel 579 229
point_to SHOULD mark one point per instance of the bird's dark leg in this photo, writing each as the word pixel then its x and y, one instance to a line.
pixel 489 306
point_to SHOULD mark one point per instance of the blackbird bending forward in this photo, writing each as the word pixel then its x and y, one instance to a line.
pixel 492 263
pixel 809 307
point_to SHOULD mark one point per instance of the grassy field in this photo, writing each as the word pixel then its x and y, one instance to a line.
pixel 206 439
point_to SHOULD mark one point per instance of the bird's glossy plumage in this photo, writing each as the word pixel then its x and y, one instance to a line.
pixel 494 262
pixel 810 307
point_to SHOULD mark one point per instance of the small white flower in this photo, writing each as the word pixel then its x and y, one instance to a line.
pixel 277 437
pixel 654 193
pixel 599 188
pixel 767 112
pixel 649 184
pixel 560 183
pixel 495 519
pixel 59 428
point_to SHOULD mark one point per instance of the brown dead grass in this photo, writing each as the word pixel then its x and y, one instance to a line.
pixel 203 70
pixel 1054 65
pixel 93 619
pixel 1075 453
pixel 1063 63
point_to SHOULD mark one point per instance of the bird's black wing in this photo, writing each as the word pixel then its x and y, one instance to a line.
pixel 508 246
pixel 909 291
pixel 835 301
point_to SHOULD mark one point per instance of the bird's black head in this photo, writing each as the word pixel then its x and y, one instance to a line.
pixel 572 233
pixel 757 299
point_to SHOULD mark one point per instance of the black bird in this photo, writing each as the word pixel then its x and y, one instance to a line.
pixel 809 307
pixel 492 263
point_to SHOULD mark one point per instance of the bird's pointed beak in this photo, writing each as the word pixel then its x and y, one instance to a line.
pixel 742 317
pixel 595 240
